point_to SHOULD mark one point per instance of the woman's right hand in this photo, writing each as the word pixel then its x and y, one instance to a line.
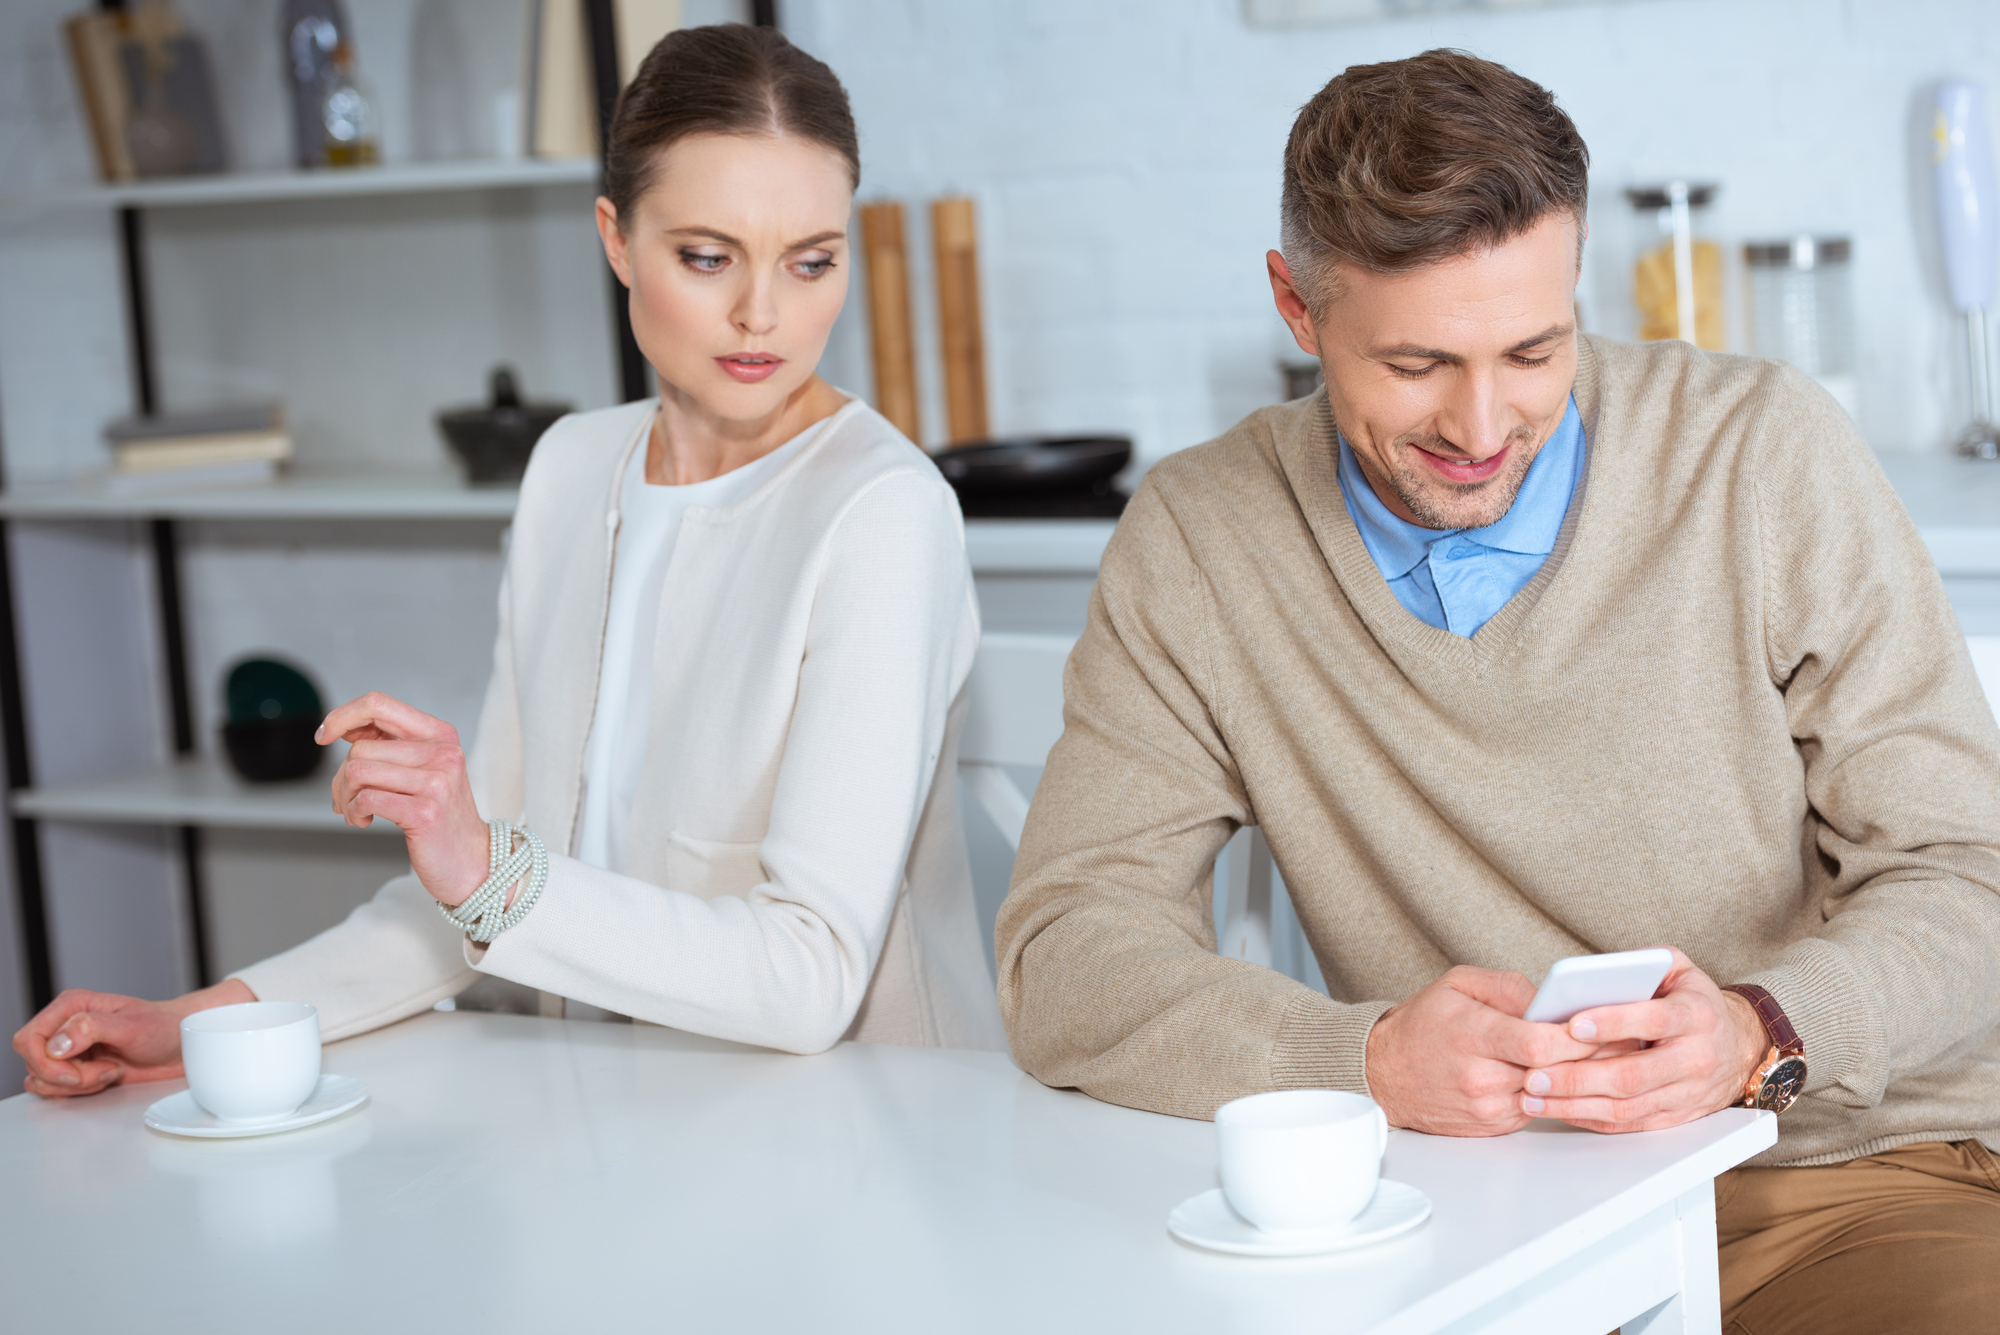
pixel 86 1042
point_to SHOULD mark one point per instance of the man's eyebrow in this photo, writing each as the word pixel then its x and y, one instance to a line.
pixel 726 239
pixel 1554 331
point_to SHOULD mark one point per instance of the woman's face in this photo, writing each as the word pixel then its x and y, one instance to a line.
pixel 737 261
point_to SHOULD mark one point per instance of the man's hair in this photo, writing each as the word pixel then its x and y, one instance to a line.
pixel 1397 166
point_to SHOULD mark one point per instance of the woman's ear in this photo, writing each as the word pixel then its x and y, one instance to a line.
pixel 614 240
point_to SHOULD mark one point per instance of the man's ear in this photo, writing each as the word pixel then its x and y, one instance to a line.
pixel 1291 304
pixel 614 240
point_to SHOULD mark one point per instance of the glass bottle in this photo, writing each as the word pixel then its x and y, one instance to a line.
pixel 309 31
pixel 347 114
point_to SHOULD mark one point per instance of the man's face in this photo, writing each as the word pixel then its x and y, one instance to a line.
pixel 1447 381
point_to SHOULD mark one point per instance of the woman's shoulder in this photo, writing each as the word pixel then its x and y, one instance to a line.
pixel 865 463
pixel 577 458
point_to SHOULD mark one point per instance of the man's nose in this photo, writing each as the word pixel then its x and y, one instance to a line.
pixel 1474 418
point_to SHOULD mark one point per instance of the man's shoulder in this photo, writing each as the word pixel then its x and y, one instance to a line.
pixel 1239 467
pixel 1672 386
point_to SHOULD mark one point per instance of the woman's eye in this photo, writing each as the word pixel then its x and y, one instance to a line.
pixel 813 268
pixel 703 263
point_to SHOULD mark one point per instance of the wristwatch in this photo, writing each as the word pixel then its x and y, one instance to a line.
pixel 1782 1073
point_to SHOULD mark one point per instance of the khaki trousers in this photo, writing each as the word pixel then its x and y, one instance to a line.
pixel 1903 1241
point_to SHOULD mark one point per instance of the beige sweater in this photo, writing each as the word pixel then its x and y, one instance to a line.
pixel 1733 712
pixel 795 867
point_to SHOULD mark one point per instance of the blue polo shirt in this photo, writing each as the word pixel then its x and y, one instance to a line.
pixel 1456 579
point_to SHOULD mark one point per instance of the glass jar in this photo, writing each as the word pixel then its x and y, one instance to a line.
pixel 1802 308
pixel 1677 278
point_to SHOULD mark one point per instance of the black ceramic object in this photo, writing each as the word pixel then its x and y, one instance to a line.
pixel 494 442
pixel 273 713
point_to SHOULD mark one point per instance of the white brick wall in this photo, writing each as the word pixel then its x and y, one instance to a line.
pixel 1125 154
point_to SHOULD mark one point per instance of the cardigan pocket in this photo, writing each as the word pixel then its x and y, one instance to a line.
pixel 711 868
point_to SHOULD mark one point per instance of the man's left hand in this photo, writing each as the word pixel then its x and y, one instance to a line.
pixel 1703 1045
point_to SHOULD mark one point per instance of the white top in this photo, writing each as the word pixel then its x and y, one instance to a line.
pixel 793 871
pixel 649 522
pixel 874 1190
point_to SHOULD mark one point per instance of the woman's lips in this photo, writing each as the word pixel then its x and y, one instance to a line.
pixel 750 367
pixel 1463 471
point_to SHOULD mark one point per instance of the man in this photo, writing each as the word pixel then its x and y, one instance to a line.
pixel 1520 644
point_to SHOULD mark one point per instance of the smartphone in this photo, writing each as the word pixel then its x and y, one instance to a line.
pixel 1583 981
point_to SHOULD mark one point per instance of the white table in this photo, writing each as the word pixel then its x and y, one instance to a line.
pixel 516 1174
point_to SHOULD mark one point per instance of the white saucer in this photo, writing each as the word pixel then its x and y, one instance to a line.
pixel 1207 1221
pixel 179 1115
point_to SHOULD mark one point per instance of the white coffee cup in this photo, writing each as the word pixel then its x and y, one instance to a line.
pixel 253 1062
pixel 1300 1160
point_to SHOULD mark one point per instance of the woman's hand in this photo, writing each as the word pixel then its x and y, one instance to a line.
pixel 408 768
pixel 86 1042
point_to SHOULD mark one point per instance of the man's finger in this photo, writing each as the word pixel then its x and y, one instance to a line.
pixel 1624 1077
pixel 1646 1021
pixel 1532 1045
pixel 386 713
pixel 1502 989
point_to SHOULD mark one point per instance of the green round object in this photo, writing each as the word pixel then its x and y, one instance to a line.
pixel 261 689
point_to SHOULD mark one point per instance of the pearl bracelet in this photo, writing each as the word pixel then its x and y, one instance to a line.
pixel 483 915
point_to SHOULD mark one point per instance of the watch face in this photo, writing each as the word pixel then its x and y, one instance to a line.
pixel 1782 1083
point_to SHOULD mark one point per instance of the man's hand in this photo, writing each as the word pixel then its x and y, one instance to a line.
pixel 408 768
pixel 1453 1059
pixel 1703 1046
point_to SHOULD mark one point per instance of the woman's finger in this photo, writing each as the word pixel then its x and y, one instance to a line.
pixel 407 813
pixel 389 716
pixel 415 755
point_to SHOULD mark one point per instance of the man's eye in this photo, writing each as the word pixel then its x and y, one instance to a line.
pixel 1407 374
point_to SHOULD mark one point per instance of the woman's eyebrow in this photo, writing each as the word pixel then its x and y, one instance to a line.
pixel 726 239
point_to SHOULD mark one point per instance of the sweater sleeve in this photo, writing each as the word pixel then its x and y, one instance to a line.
pixel 890 642
pixel 396 955
pixel 1902 765
pixel 1109 977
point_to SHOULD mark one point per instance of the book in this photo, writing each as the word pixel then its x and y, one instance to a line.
pixel 182 452
pixel 95 40
pixel 186 442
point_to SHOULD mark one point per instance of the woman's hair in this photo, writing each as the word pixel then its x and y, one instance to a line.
pixel 1397 166
pixel 727 78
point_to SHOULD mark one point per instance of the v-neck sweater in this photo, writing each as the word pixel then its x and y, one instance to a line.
pixel 1732 712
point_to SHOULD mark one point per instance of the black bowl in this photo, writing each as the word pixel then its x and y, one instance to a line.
pixel 272 750
pixel 494 443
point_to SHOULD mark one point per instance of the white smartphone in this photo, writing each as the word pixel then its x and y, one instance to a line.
pixel 1583 981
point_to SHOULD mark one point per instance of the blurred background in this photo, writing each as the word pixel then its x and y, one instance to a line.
pixel 226 333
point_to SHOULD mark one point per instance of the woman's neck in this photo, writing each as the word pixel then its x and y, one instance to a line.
pixel 690 444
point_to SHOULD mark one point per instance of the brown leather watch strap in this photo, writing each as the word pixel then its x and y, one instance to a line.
pixel 1783 1037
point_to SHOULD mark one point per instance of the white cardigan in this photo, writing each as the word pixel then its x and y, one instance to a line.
pixel 797 870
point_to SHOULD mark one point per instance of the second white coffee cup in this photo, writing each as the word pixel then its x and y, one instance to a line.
pixel 253 1062
pixel 1300 1160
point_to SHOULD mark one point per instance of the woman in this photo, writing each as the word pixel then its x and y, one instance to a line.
pixel 735 629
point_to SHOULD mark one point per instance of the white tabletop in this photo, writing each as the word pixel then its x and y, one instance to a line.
pixel 513 1173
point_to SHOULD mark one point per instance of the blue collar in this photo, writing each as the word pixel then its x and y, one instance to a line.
pixel 1529 527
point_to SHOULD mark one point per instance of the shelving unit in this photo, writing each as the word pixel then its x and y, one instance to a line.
pixel 410 178
pixel 194 792
pixel 357 496
pixel 200 791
